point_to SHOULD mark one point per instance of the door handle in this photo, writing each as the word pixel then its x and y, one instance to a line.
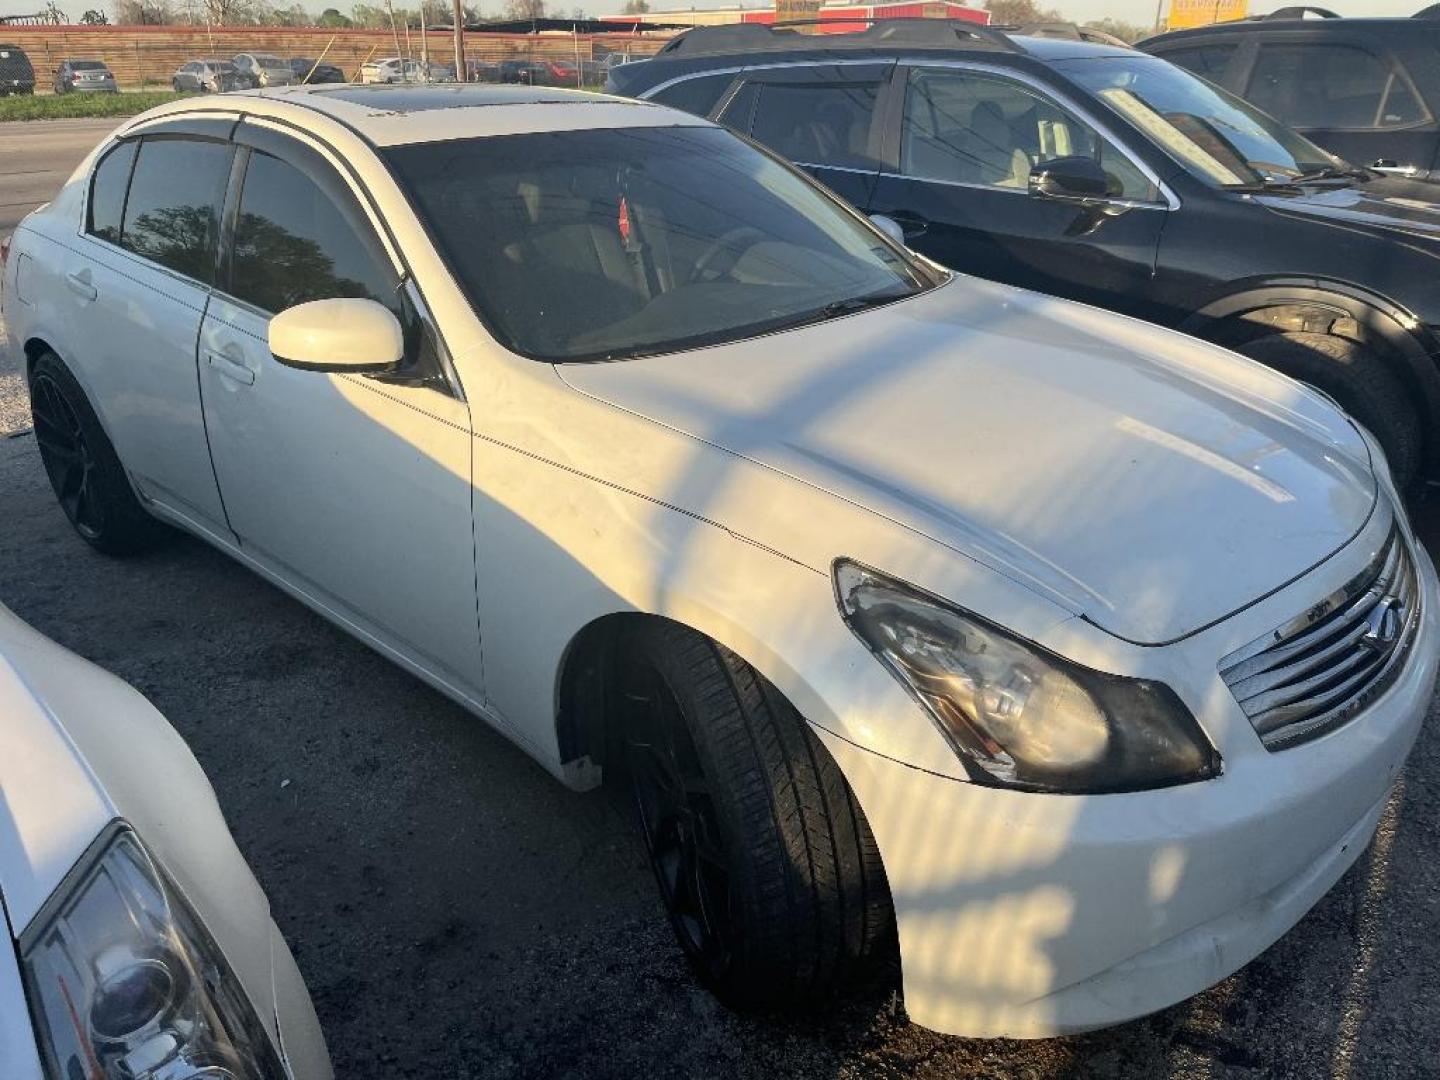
pixel 80 284
pixel 230 367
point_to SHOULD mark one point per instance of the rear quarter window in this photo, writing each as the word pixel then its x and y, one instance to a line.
pixel 107 192
pixel 697 95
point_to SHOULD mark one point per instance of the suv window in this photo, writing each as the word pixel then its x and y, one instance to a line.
pixel 1208 61
pixel 697 95
pixel 815 123
pixel 969 128
pixel 107 191
pixel 1331 86
pixel 294 243
pixel 172 214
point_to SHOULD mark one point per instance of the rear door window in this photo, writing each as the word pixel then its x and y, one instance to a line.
pixel 817 123
pixel 1207 61
pixel 1331 86
pixel 107 191
pixel 172 214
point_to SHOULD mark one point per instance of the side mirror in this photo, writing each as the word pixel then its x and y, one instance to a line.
pixel 890 227
pixel 343 335
pixel 1070 179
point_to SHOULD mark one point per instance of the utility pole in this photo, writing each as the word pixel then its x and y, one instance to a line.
pixel 461 75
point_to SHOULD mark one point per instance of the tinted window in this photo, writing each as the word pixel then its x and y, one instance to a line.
pixel 86 65
pixel 1207 60
pixel 173 212
pixel 616 243
pixel 698 95
pixel 977 129
pixel 1331 86
pixel 107 192
pixel 294 243
pixel 817 125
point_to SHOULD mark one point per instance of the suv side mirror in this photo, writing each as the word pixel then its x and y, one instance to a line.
pixel 1070 179
pixel 342 335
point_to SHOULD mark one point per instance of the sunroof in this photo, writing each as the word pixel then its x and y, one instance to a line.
pixel 392 98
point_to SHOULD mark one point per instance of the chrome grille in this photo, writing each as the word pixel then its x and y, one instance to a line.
pixel 1321 668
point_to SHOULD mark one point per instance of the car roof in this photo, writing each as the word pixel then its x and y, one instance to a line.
pixel 1284 20
pixel 396 115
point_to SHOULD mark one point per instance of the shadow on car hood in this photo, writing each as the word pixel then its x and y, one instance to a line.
pixel 1148 481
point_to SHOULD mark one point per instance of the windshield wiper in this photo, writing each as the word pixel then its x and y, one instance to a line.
pixel 852 304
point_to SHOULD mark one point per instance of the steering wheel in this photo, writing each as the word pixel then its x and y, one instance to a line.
pixel 721 256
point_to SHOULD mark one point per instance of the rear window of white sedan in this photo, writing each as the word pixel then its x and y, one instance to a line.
pixel 604 244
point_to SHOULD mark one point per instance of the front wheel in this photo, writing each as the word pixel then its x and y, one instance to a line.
pixel 1360 382
pixel 83 468
pixel 766 865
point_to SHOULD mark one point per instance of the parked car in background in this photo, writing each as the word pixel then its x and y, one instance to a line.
pixel 528 72
pixel 141 941
pixel 84 76
pixel 1365 89
pixel 208 76
pixel 17 74
pixel 482 71
pixel 897 602
pixel 263 69
pixel 1105 175
pixel 309 71
pixel 391 69
pixel 435 72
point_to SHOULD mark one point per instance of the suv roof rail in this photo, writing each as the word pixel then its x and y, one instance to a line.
pixel 1299 11
pixel 915 32
pixel 1069 31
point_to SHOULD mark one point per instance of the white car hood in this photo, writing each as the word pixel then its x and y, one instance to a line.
pixel 1150 482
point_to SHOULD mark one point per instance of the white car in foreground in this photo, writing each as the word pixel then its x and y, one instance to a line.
pixel 143 949
pixel 1080 652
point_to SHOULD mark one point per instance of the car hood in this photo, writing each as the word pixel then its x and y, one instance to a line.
pixel 1388 204
pixel 1138 477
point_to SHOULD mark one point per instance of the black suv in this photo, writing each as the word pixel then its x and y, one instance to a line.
pixel 17 76
pixel 1366 89
pixel 1104 175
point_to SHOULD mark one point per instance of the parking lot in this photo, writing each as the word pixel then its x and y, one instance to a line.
pixel 457 913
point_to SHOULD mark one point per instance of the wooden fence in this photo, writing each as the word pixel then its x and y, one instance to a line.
pixel 148 55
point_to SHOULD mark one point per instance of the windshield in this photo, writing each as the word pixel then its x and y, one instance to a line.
pixel 588 245
pixel 1217 137
pixel 271 62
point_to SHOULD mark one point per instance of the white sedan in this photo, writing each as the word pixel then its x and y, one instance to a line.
pixel 1080 653
pixel 142 943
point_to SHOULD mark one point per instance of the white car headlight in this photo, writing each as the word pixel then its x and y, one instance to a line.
pixel 126 984
pixel 1017 715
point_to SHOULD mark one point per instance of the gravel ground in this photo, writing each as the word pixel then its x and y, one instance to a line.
pixel 458 914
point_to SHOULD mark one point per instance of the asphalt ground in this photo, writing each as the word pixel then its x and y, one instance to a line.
pixel 458 914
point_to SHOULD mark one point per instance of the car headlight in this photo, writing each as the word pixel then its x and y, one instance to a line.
pixel 126 984
pixel 1017 715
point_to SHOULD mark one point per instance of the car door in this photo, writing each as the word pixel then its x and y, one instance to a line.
pixel 962 142
pixel 353 489
pixel 819 116
pixel 137 281
pixel 1353 97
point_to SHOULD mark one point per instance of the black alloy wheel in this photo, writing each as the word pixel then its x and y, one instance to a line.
pixel 67 457
pixel 678 821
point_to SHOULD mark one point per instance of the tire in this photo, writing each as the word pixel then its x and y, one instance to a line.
pixel 1360 382
pixel 782 898
pixel 175 85
pixel 82 466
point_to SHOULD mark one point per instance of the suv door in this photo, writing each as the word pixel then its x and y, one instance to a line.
pixel 353 489
pixel 819 116
pixel 1354 97
pixel 962 144
pixel 136 284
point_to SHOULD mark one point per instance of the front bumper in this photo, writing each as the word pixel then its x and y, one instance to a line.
pixel 1029 915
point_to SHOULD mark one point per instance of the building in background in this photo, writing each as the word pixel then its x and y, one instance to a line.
pixel 1187 13
pixel 834 18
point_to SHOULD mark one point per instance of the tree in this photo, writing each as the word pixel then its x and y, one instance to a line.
pixel 636 7
pixel 94 18
pixel 524 9
pixel 332 19
pixel 143 12
pixel 1021 12
pixel 370 17
pixel 1125 31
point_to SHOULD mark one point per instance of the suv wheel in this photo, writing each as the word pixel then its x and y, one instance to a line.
pixel 767 868
pixel 1357 379
pixel 82 465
